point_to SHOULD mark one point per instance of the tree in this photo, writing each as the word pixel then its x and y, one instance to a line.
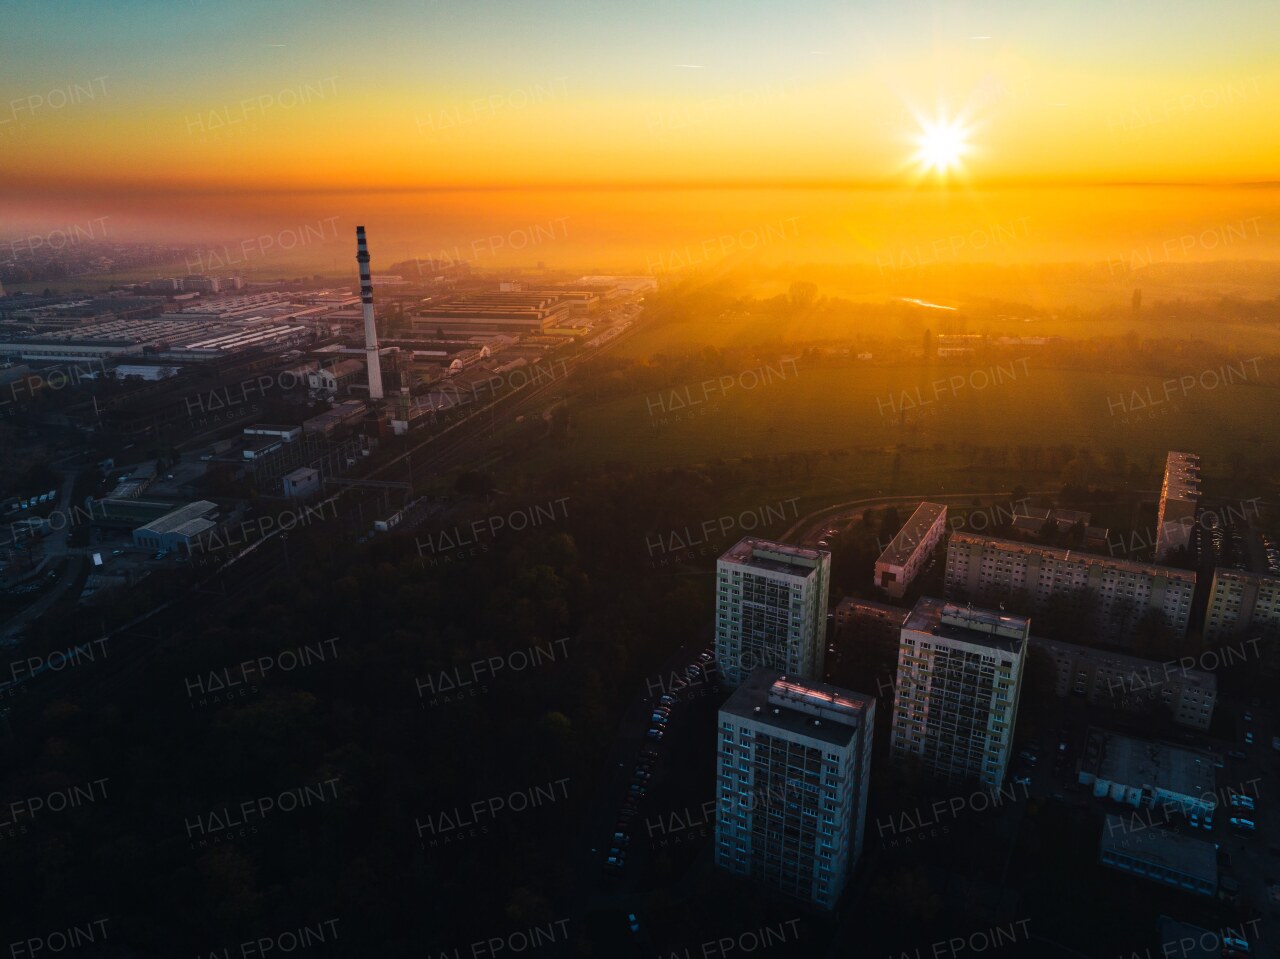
pixel 473 483
pixel 803 294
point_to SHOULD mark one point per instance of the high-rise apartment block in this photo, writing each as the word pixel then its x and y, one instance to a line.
pixel 1179 494
pixel 1110 597
pixel 794 764
pixel 959 678
pixel 1242 605
pixel 771 609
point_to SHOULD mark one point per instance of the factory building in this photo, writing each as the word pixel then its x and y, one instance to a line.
pixel 177 530
pixel 483 314
pixel 336 378
pixel 345 414
pixel 301 483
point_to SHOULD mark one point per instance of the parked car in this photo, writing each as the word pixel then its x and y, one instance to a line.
pixel 655 734
pixel 1241 802
pixel 1194 820
pixel 1234 946
pixel 1245 825
pixel 1022 780
pixel 1248 739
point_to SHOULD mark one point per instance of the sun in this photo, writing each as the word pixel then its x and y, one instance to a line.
pixel 941 145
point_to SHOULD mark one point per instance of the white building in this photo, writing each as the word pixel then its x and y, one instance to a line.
pixel 959 678
pixel 907 553
pixel 195 283
pixel 793 769
pixel 178 530
pixel 1119 593
pixel 286 434
pixel 331 380
pixel 771 609
pixel 1179 494
pixel 301 483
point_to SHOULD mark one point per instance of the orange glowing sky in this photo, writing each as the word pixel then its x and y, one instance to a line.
pixel 221 112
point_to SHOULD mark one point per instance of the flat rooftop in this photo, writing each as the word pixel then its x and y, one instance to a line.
pixel 871 607
pixel 969 624
pixel 1243 576
pixel 1182 476
pixel 340 412
pixel 1182 854
pixel 912 534
pixel 798 706
pixel 773 557
pixel 1072 556
pixel 1117 758
pixel 1191 942
pixel 182 517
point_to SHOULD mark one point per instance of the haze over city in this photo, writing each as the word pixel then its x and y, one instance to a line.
pixel 587 479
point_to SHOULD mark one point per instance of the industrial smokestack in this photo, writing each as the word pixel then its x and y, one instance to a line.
pixel 372 362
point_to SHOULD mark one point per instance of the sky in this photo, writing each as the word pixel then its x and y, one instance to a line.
pixel 462 120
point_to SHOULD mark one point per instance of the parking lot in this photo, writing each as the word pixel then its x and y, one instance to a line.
pixel 667 709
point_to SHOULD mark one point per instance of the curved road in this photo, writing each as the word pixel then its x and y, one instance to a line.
pixel 816 522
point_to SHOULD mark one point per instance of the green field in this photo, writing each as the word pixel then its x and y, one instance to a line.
pixel 865 408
